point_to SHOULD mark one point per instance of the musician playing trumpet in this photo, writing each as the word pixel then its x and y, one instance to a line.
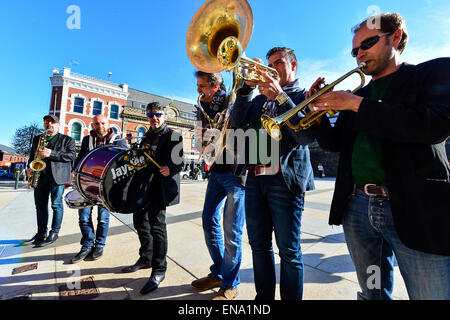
pixel 275 190
pixel 393 182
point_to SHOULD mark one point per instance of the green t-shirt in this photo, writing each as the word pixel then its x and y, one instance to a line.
pixel 49 138
pixel 367 156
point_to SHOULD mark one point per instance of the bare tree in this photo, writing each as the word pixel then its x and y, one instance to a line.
pixel 23 138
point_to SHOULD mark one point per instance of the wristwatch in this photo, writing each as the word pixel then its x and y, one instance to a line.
pixel 281 98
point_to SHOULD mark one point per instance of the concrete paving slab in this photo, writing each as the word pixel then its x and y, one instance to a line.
pixel 329 272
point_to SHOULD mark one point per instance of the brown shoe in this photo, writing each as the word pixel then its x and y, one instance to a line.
pixel 226 294
pixel 207 282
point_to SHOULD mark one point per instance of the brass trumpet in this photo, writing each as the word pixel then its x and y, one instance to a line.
pixel 273 125
pixel 230 56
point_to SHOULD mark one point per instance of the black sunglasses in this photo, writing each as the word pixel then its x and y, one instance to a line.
pixel 158 115
pixel 369 43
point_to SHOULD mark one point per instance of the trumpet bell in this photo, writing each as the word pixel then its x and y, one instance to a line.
pixel 271 126
pixel 215 21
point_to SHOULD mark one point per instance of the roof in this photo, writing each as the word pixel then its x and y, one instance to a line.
pixel 8 150
pixel 141 97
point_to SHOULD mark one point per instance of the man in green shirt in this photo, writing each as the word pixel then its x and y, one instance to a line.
pixel 57 154
pixel 392 192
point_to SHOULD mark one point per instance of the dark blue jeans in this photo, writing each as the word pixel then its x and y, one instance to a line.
pixel 373 241
pixel 47 187
pixel 270 206
pixel 89 236
pixel 224 247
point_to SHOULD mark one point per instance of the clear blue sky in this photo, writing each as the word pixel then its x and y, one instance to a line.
pixel 142 42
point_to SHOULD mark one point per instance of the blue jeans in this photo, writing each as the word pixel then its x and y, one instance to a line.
pixel 47 187
pixel 89 236
pixel 270 206
pixel 224 248
pixel 372 242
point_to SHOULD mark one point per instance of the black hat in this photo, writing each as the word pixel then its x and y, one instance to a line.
pixel 54 118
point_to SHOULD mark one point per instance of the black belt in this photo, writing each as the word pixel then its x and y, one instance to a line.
pixel 371 189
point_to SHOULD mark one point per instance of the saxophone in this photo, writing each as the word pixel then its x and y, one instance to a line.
pixel 37 165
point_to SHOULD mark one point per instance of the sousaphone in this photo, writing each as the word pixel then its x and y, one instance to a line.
pixel 216 40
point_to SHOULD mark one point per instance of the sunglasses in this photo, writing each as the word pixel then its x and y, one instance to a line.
pixel 151 115
pixel 369 43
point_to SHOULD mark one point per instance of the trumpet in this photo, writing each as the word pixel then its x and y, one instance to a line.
pixel 273 125
pixel 231 56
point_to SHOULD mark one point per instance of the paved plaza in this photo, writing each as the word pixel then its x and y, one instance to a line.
pixel 47 274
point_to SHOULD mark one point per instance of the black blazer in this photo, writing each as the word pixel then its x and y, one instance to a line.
pixel 412 122
pixel 294 152
pixel 60 160
pixel 167 151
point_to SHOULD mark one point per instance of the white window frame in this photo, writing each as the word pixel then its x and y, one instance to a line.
pixel 119 111
pixel 72 102
pixel 83 127
pixel 103 102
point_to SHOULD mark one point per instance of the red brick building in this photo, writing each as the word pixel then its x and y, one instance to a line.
pixel 9 156
pixel 77 98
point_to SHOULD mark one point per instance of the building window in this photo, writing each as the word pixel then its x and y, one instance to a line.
pixel 114 112
pixel 97 108
pixel 193 142
pixel 115 130
pixel 143 106
pixel 78 105
pixel 76 131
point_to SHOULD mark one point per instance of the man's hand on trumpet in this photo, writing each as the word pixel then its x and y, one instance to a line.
pixel 335 100
pixel 268 86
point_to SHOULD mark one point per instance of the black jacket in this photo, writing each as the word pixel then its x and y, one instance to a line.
pixel 412 122
pixel 293 147
pixel 166 148
pixel 59 163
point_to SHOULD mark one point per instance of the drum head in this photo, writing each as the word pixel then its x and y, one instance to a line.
pixel 74 200
pixel 127 189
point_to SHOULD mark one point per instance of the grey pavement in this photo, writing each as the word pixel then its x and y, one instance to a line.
pixel 46 273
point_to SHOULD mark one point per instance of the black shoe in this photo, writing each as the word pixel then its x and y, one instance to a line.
pixel 153 283
pixel 52 237
pixel 96 253
pixel 81 255
pixel 135 267
pixel 36 239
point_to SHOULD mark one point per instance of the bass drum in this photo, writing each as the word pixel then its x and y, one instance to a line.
pixel 105 177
